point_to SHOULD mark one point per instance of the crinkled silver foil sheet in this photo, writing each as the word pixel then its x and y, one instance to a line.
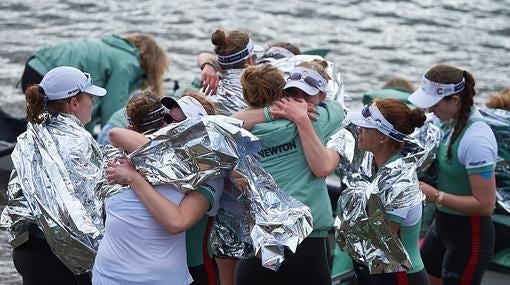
pixel 196 150
pixel 499 121
pixel 57 166
pixel 363 230
pixel 275 220
pixel 229 96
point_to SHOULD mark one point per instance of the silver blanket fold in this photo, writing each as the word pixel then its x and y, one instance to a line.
pixel 229 96
pixel 363 230
pixel 57 165
pixel 195 150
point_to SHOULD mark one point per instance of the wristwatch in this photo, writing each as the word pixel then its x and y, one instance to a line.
pixel 439 199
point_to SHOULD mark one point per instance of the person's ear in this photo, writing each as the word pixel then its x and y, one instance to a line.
pixel 456 99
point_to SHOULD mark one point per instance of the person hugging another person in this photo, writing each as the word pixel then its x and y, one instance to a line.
pixel 145 240
pixel 294 154
pixel 233 53
pixel 459 245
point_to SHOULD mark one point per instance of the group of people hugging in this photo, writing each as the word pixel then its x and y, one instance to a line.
pixel 89 207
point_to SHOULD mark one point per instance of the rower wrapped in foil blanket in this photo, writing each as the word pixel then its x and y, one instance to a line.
pixel 193 151
pixel 363 230
pixel 57 166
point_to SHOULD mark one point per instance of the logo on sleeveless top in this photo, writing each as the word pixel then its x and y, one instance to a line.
pixel 275 150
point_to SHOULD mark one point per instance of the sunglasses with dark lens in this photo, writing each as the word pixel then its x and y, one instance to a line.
pixel 307 79
pixel 169 119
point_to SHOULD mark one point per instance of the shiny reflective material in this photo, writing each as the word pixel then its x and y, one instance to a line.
pixel 363 230
pixel 229 96
pixel 253 207
pixel 57 165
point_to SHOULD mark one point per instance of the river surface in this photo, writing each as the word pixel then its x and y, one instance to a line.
pixel 370 41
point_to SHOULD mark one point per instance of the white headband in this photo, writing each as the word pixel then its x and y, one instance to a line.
pixel 375 117
pixel 238 56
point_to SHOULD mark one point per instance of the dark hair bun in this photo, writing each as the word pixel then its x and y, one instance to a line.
pixel 417 118
pixel 219 38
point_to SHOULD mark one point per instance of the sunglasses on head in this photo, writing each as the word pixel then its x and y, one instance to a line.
pixel 308 79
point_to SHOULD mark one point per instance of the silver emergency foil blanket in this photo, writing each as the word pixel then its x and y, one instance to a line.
pixel 499 121
pixel 363 230
pixel 275 220
pixel 196 150
pixel 57 165
pixel 229 96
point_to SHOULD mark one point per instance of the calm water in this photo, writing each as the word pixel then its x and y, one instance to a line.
pixel 369 40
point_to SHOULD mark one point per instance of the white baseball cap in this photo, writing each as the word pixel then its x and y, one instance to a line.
pixel 430 92
pixel 66 81
pixel 189 106
pixel 306 79
pixel 370 117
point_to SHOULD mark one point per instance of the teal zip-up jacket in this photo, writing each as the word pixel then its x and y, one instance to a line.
pixel 112 61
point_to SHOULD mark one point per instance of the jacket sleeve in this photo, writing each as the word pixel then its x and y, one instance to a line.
pixel 117 87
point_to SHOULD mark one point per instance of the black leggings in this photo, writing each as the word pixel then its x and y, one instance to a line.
pixel 29 77
pixel 397 278
pixel 308 266
pixel 458 249
pixel 37 264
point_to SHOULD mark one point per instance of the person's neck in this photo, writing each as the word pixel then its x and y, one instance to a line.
pixel 383 154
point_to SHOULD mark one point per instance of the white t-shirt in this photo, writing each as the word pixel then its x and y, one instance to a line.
pixel 480 148
pixel 136 249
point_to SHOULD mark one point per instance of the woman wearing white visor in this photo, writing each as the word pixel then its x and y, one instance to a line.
pixel 458 246
pixel 60 106
pixel 382 128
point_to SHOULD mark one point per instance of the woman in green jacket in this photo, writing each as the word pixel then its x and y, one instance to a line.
pixel 120 64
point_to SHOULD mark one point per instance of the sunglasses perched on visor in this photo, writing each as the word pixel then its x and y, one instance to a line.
pixel 383 126
pixel 309 79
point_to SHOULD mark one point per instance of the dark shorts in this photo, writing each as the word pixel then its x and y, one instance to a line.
pixel 458 249
pixel 37 264
pixel 308 266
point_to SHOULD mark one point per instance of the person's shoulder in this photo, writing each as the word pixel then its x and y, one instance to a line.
pixel 330 110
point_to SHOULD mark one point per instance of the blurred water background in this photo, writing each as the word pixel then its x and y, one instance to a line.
pixel 370 41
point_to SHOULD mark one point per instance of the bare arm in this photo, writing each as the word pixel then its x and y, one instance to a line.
pixel 322 161
pixel 481 203
pixel 209 78
pixel 174 218
pixel 126 139
pixel 250 117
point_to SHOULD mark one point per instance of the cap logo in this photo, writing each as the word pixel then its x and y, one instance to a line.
pixel 440 89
